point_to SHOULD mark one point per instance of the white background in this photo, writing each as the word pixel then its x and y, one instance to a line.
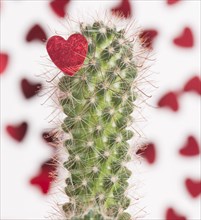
pixel 162 183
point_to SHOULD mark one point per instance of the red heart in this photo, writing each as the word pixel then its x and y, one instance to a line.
pixel 193 85
pixel 68 55
pixel 45 177
pixel 51 138
pixel 30 89
pixel 171 214
pixel 123 9
pixel 171 2
pixel 48 137
pixel 18 131
pixel 185 39
pixel 3 62
pixel 169 100
pixel 147 37
pixel 191 147
pixel 148 151
pixel 193 187
pixel 36 33
pixel 59 7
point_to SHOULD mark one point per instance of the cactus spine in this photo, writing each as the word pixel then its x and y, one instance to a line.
pixel 98 101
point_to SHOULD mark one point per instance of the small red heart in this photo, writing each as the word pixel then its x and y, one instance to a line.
pixel 51 138
pixel 193 85
pixel 190 148
pixel 18 131
pixel 171 214
pixel 36 33
pixel 3 62
pixel 123 9
pixel 148 151
pixel 169 100
pixel 45 177
pixel 171 2
pixel 30 89
pixel 68 55
pixel 48 137
pixel 185 39
pixel 193 187
pixel 147 37
pixel 59 7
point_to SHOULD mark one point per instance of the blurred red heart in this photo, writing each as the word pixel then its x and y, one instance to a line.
pixel 36 33
pixel 190 148
pixel 193 85
pixel 18 131
pixel 148 151
pixel 169 100
pixel 45 177
pixel 123 9
pixel 171 2
pixel 51 138
pixel 185 39
pixel 30 89
pixel 193 187
pixel 171 214
pixel 147 37
pixel 48 137
pixel 59 7
pixel 3 62
pixel 68 55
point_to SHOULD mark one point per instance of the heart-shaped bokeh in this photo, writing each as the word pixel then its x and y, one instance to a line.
pixel 185 38
pixel 171 214
pixel 46 175
pixel 29 88
pixel 148 152
pixel 172 2
pixel 193 187
pixel 36 33
pixel 123 9
pixel 17 132
pixel 147 37
pixel 190 148
pixel 3 61
pixel 59 7
pixel 68 55
pixel 193 85
pixel 169 100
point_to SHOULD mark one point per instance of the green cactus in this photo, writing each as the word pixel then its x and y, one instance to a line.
pixel 98 101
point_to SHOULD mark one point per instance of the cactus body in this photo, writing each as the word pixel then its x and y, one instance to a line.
pixel 98 102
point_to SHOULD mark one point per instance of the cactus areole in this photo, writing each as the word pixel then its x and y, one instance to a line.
pixel 97 99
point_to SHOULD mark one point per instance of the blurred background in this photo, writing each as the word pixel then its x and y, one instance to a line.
pixel 170 186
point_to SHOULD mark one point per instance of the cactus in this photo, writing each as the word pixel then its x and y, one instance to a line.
pixel 98 100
